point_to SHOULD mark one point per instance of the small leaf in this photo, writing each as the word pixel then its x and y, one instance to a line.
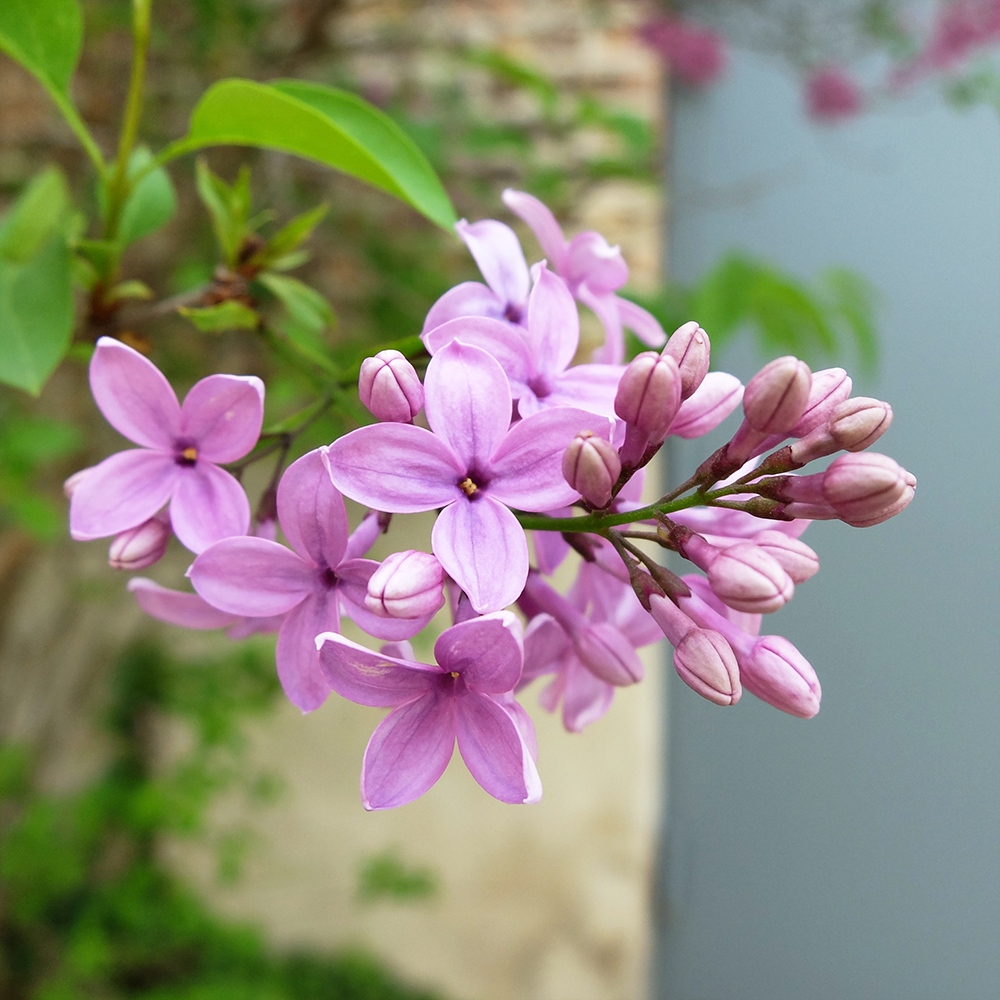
pixel 37 212
pixel 320 123
pixel 151 204
pixel 305 305
pixel 291 235
pixel 132 289
pixel 230 315
pixel 44 36
pixel 227 206
pixel 36 297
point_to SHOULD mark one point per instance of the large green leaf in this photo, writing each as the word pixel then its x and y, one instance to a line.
pixel 36 299
pixel 152 202
pixel 320 123
pixel 44 36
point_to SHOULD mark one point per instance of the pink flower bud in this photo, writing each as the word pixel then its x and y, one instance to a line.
pixel 592 467
pixel 891 511
pixel 776 397
pixel 776 672
pixel 689 346
pixel 705 662
pixel 862 486
pixel 793 556
pixel 746 578
pixel 608 655
pixel 390 388
pixel 827 390
pixel 141 546
pixel 859 422
pixel 649 394
pixel 408 584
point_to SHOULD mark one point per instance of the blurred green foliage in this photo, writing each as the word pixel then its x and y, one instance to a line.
pixel 88 911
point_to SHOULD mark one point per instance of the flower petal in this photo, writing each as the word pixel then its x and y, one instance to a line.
pixel 395 467
pixel 642 323
pixel 470 298
pixel 252 576
pixel 494 750
pixel 542 222
pixel 408 751
pixel 588 387
pixel 488 652
pixel 550 550
pixel 497 251
pixel 496 338
pixel 369 678
pixel 483 549
pixel 208 505
pixel 545 643
pixel 527 468
pixel 717 396
pixel 590 258
pixel 311 511
pixel 467 401
pixel 586 698
pixel 363 537
pixel 223 414
pixel 126 489
pixel 178 607
pixel 134 396
pixel 605 307
pixel 553 322
pixel 303 680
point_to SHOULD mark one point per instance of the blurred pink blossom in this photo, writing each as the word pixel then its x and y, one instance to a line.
pixel 696 55
pixel 832 95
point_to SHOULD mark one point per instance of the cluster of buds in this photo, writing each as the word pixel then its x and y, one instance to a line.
pixel 502 437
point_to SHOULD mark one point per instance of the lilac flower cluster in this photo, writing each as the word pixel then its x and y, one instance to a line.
pixel 504 435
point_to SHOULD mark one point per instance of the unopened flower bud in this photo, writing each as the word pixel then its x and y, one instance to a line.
pixel 776 397
pixel 689 346
pixel 649 394
pixel 746 578
pixel 141 546
pixel 776 672
pixel 608 655
pixel 592 467
pixel 408 584
pixel 717 396
pixel 883 515
pixel 705 662
pixel 828 388
pixel 858 423
pixel 390 388
pixel 862 486
pixel 792 555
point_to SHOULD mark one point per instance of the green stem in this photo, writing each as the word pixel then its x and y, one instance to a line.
pixel 75 122
pixel 119 185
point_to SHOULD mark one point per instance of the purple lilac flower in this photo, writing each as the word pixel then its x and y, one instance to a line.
pixel 309 583
pixel 497 251
pixel 473 464
pixel 593 271
pixel 537 358
pixel 181 445
pixel 466 697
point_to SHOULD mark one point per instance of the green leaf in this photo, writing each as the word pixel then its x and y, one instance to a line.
pixel 306 306
pixel 34 217
pixel 132 289
pixel 722 297
pixel 319 123
pixel 230 315
pixel 151 204
pixel 854 299
pixel 291 235
pixel 44 36
pixel 228 207
pixel 36 298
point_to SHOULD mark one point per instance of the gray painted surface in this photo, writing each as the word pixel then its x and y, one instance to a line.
pixel 856 855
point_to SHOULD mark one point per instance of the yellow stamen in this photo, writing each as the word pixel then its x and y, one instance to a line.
pixel 467 486
pixel 454 674
pixel 190 454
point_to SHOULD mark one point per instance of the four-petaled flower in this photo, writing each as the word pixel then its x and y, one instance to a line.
pixel 219 422
pixel 473 464
pixel 467 696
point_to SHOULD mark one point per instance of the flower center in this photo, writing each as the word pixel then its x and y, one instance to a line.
pixel 329 578
pixel 187 456
pixel 455 674
pixel 513 313
pixel 468 487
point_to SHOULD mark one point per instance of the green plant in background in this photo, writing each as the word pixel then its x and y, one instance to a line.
pixel 88 908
